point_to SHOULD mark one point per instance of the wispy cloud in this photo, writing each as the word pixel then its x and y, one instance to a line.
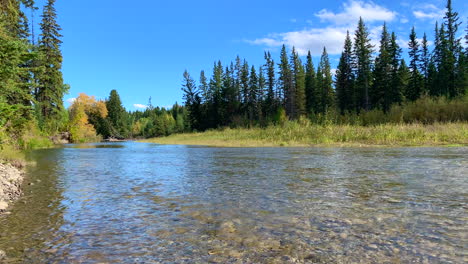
pixel 352 10
pixel 428 12
pixel 70 100
pixel 140 106
pixel 331 36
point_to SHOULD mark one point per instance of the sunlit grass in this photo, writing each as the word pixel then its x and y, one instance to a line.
pixel 306 134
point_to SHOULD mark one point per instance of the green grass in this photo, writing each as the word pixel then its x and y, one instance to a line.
pixel 304 133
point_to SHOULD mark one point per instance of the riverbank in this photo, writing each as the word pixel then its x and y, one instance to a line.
pixel 304 134
pixel 11 178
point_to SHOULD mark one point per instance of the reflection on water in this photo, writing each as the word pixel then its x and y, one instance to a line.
pixel 144 203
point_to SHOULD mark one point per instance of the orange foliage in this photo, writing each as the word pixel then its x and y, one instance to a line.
pixel 80 128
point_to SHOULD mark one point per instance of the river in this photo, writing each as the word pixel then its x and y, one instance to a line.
pixel 147 203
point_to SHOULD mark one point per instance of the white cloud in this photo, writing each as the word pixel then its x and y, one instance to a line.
pixel 428 11
pixel 140 106
pixel 429 15
pixel 310 39
pixel 332 37
pixel 70 100
pixel 270 41
pixel 404 20
pixel 354 9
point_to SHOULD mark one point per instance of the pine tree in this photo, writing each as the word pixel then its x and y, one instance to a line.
pixel 204 88
pixel 453 49
pixel 325 83
pixel 50 78
pixel 403 79
pixel 228 97
pixel 345 78
pixel 253 93
pixel 310 85
pixel 285 82
pixel 299 85
pixel 261 93
pixel 215 86
pixel 116 116
pixel 381 88
pixel 425 61
pixel 413 91
pixel 192 101
pixel 396 89
pixel 270 82
pixel 362 65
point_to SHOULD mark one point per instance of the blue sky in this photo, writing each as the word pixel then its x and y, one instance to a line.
pixel 141 48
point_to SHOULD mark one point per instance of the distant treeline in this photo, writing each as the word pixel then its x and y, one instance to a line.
pixel 92 120
pixel 367 79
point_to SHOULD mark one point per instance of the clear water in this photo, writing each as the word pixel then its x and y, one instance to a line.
pixel 146 203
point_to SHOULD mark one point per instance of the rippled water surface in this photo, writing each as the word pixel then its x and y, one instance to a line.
pixel 145 203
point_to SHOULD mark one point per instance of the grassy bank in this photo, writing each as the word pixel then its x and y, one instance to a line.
pixel 306 134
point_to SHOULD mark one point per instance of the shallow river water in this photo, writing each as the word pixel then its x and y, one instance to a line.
pixel 147 203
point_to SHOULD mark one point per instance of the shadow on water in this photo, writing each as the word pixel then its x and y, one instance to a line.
pixel 26 234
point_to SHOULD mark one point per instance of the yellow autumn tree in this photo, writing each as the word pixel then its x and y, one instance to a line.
pixel 80 128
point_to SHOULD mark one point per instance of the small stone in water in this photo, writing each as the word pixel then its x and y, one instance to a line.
pixel 373 246
pixel 344 235
pixel 3 205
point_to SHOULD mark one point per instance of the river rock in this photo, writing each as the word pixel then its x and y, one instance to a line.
pixel 227 227
pixel 3 205
pixel 10 182
pixel 2 254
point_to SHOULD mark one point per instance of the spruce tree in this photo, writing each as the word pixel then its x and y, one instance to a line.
pixel 325 83
pixel 413 91
pixel 299 85
pixel 261 93
pixel 216 84
pixel 396 89
pixel 403 79
pixel 363 65
pixel 192 101
pixel 453 49
pixel 253 91
pixel 381 88
pixel 116 116
pixel 310 85
pixel 345 78
pixel 425 61
pixel 285 82
pixel 270 82
pixel 51 87
pixel 204 88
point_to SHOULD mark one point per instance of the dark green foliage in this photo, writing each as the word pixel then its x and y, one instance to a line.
pixel 363 65
pixel 382 85
pixel 192 100
pixel 310 86
pixel 285 83
pixel 345 79
pixel 51 88
pixel 270 82
pixel 117 117
pixel 397 87
pixel 298 72
pixel 324 83
pixel 413 91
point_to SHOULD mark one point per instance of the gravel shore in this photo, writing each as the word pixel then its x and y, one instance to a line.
pixel 11 178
